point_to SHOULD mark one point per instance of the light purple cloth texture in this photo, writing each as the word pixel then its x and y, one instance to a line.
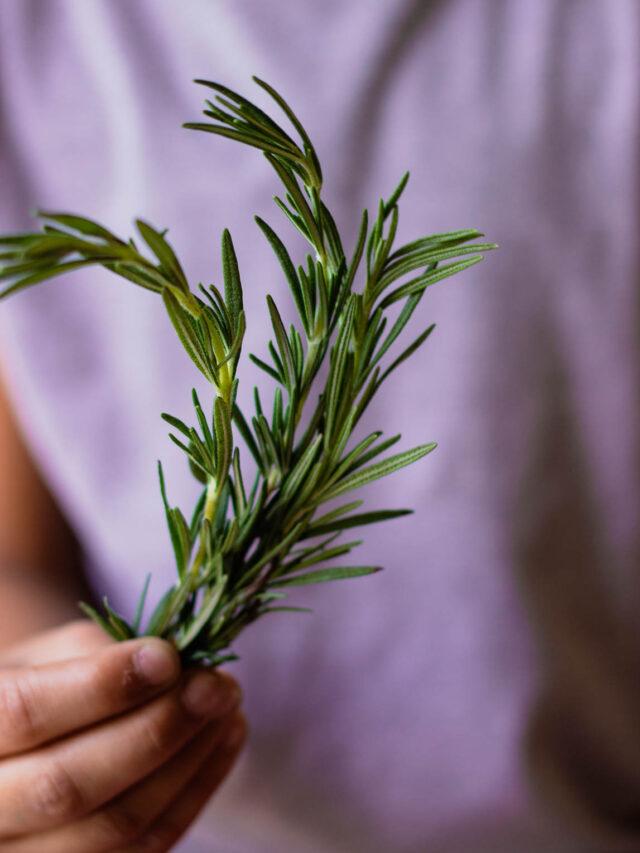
pixel 395 718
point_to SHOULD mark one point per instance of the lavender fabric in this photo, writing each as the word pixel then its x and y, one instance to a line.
pixel 487 681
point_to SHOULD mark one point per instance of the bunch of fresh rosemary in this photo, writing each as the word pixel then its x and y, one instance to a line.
pixel 243 548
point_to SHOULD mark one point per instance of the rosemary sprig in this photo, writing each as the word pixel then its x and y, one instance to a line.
pixel 243 547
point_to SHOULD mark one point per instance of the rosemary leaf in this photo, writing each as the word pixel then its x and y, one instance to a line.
pixel 322 575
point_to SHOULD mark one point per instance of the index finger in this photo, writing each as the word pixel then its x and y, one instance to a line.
pixel 41 703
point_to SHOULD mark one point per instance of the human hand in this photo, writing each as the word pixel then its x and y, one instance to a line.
pixel 94 757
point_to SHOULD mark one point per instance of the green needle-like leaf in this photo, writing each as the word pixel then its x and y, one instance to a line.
pixel 163 251
pixel 408 352
pixel 284 347
pixel 184 325
pixel 231 274
pixel 100 620
pixel 143 597
pixel 357 520
pixel 322 575
pixel 380 469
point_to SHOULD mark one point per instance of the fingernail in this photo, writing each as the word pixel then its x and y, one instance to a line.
pixel 155 663
pixel 206 695
pixel 236 735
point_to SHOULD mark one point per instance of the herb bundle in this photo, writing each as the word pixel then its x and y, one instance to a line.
pixel 244 547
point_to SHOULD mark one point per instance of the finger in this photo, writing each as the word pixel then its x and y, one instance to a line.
pixel 171 826
pixel 72 777
pixel 77 638
pixel 125 818
pixel 41 703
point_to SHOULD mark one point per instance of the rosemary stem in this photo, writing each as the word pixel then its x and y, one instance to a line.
pixel 211 504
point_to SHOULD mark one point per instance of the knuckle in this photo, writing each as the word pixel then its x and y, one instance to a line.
pixel 55 795
pixel 163 731
pixel 159 838
pixel 18 715
pixel 84 630
pixel 119 824
pixel 85 637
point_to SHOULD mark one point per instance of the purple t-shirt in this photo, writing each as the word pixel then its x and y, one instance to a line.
pixel 411 711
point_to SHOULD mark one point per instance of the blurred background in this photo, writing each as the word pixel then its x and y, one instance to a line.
pixel 483 692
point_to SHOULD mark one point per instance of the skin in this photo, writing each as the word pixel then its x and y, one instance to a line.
pixel 92 755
